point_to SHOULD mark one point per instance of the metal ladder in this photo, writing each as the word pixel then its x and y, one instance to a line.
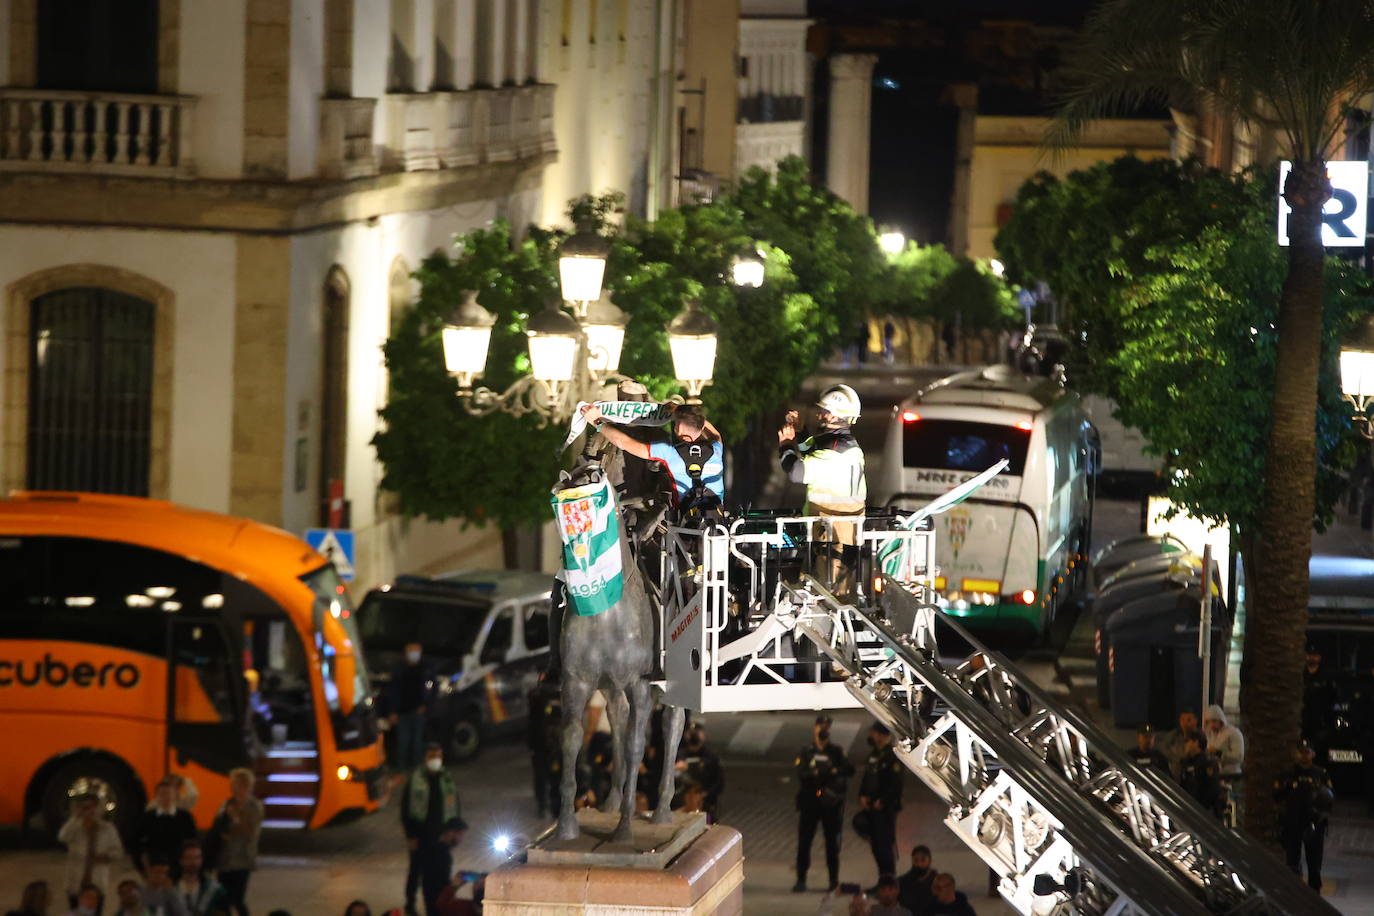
pixel 1044 797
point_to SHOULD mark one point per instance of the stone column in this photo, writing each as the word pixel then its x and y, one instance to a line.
pixel 965 97
pixel 851 92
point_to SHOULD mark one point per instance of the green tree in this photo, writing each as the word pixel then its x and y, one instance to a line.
pixel 1290 65
pixel 444 463
pixel 1172 283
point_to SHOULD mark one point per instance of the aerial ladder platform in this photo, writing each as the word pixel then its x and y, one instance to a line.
pixel 1063 816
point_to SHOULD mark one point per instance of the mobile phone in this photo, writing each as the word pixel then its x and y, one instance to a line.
pixel 471 876
pixel 851 889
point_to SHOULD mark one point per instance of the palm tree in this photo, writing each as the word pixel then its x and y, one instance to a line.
pixel 1291 67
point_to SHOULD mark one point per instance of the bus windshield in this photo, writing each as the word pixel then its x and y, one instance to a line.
pixel 958 445
pixel 331 597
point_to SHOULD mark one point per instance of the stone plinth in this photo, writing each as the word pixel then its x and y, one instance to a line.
pixel 685 867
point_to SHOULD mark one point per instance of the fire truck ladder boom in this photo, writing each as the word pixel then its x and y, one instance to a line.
pixel 1038 792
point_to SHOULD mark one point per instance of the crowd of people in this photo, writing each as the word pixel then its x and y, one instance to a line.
pixel 1207 763
pixel 167 867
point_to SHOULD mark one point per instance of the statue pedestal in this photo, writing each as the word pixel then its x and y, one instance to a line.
pixel 683 867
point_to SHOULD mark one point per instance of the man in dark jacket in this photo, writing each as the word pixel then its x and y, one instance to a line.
pixel 946 900
pixel 699 764
pixel 823 774
pixel 914 887
pixel 162 828
pixel 1304 794
pixel 433 824
pixel 1199 774
pixel 1146 755
pixel 410 689
pixel 880 794
pixel 543 728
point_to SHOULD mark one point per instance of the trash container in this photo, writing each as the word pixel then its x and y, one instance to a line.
pixel 1164 581
pixel 1153 665
pixel 1127 550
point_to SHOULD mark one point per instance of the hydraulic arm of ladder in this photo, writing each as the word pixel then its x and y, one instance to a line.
pixel 1037 791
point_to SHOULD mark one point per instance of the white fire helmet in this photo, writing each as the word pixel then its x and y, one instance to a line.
pixel 842 401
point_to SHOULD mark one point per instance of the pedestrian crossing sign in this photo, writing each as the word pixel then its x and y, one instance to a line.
pixel 337 546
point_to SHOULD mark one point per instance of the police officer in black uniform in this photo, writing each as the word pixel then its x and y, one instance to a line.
pixel 880 793
pixel 823 774
pixel 543 733
pixel 1304 794
pixel 698 764
pixel 1146 755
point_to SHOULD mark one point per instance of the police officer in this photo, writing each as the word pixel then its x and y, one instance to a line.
pixel 1304 794
pixel 543 731
pixel 1199 775
pixel 880 793
pixel 699 765
pixel 831 464
pixel 1146 755
pixel 823 774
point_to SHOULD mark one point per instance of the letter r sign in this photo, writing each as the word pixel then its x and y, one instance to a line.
pixel 1345 214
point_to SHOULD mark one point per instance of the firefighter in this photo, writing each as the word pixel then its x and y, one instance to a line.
pixel 831 465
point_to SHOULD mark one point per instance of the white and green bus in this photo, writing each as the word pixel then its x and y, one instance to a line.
pixel 1011 555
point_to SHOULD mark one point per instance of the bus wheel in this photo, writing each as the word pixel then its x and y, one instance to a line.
pixel 108 781
pixel 465 737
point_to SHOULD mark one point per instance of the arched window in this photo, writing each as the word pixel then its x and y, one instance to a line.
pixel 333 395
pixel 90 398
pixel 97 46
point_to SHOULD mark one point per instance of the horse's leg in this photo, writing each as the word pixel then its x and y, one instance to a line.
pixel 672 735
pixel 575 694
pixel 617 707
pixel 641 705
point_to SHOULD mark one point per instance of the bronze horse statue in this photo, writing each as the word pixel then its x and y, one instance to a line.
pixel 613 652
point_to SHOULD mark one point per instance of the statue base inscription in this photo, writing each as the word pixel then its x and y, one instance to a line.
pixel 683 867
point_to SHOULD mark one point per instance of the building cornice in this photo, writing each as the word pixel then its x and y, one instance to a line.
pixel 252 206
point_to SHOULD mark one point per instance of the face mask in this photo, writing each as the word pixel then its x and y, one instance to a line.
pixel 824 734
pixel 413 657
pixel 434 764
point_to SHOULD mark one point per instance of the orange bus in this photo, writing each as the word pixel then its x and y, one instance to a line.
pixel 140 638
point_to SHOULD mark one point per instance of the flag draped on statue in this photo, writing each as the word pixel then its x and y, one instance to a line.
pixel 893 556
pixel 588 524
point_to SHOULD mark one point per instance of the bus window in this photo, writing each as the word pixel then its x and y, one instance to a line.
pixel 536 625
pixel 203 692
pixel 956 445
pixel 276 671
pixel 101 592
pixel 331 599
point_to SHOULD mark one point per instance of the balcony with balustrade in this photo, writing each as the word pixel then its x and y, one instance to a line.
pixel 96 132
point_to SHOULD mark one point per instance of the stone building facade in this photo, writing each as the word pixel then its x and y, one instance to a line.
pixel 209 213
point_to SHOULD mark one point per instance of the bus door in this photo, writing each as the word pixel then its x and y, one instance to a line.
pixel 205 739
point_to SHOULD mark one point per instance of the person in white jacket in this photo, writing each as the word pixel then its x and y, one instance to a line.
pixel 1225 741
pixel 92 847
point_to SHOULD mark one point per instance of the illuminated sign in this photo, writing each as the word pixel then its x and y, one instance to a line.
pixel 1345 214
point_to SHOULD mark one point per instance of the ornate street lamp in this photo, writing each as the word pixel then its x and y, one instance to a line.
pixel 554 336
pixel 892 242
pixel 466 338
pixel 604 326
pixel 692 340
pixel 747 269
pixel 582 267
pixel 1357 373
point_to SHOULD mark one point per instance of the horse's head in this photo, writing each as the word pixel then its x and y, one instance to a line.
pixel 586 470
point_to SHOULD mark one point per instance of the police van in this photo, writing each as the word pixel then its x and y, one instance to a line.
pixel 1012 554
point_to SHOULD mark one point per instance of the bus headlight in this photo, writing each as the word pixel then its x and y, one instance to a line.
pixel 345 772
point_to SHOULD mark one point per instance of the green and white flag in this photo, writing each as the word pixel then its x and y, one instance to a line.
pixel 625 413
pixel 588 524
pixel 892 558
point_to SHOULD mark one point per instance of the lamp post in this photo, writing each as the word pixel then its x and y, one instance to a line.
pixel 892 242
pixel 582 268
pixel 747 269
pixel 1357 373
pixel 692 340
